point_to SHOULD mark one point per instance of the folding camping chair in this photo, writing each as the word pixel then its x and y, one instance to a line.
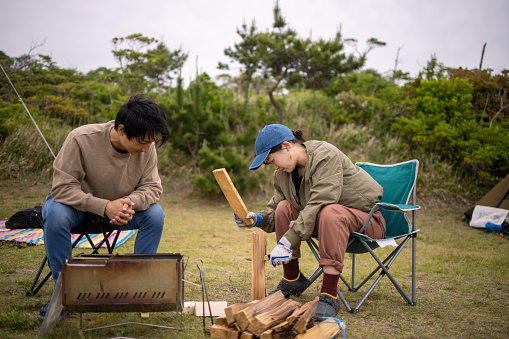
pixel 85 229
pixel 399 185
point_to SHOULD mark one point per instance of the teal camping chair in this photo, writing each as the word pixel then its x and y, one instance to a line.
pixel 398 182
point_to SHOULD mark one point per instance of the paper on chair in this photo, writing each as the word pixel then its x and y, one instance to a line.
pixel 387 242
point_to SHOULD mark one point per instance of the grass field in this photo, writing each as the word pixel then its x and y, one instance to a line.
pixel 462 275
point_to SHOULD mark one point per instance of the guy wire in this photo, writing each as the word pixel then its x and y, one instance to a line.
pixel 28 112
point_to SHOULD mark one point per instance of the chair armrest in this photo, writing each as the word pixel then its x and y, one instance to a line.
pixel 362 236
pixel 389 207
pixel 397 207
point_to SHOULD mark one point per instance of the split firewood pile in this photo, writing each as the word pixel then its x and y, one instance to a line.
pixel 273 317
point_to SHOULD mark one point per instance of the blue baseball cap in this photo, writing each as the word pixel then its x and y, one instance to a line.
pixel 269 136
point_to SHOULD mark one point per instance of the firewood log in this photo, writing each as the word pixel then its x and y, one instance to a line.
pixel 272 317
pixel 300 311
pixel 267 334
pixel 246 315
pixel 247 335
pixel 221 321
pixel 223 332
pixel 301 325
pixel 231 310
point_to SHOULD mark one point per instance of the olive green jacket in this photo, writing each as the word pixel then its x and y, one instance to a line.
pixel 330 177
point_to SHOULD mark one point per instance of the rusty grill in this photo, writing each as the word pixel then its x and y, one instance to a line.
pixel 123 283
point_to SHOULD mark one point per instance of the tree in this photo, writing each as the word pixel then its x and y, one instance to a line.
pixel 279 53
pixel 287 59
pixel 245 53
pixel 433 70
pixel 198 114
pixel 142 67
pixel 163 65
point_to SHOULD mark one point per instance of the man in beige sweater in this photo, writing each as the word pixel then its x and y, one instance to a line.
pixel 108 170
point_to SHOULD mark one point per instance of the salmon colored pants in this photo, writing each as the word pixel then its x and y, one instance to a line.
pixel 333 226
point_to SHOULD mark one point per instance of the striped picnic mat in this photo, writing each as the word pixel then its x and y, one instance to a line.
pixel 34 236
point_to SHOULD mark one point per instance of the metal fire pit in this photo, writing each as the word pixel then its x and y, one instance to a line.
pixel 123 283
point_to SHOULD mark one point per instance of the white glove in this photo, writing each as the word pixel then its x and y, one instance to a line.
pixel 242 224
pixel 282 253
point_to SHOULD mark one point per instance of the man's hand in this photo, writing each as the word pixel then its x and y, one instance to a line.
pixel 282 253
pixel 120 211
pixel 257 219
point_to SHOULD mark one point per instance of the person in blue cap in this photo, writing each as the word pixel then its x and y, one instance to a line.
pixel 318 192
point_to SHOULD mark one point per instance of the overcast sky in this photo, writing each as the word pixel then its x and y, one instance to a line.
pixel 78 33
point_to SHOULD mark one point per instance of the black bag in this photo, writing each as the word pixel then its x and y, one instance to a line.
pixel 504 232
pixel 25 219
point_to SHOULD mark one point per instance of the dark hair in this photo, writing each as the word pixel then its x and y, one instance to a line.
pixel 142 117
pixel 299 137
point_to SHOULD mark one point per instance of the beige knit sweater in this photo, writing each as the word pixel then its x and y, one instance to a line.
pixel 89 172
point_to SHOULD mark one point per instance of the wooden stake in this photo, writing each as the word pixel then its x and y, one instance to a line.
pixel 258 249
pixel 231 194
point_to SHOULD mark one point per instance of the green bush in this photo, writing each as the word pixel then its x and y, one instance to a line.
pixel 24 152
pixel 440 120
pixel 11 116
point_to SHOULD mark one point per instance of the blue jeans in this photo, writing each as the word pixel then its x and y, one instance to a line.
pixel 59 219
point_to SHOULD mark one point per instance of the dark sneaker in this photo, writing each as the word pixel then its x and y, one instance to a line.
pixel 44 310
pixel 327 307
pixel 293 287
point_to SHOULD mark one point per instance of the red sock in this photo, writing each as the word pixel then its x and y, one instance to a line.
pixel 330 284
pixel 291 270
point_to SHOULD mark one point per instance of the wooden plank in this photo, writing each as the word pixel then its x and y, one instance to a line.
pixel 258 249
pixel 231 194
pixel 223 332
pixel 189 307
pixel 322 330
pixel 217 308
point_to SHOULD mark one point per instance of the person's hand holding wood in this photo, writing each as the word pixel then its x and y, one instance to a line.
pixel 257 219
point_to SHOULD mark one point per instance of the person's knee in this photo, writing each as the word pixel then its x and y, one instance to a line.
pixel 283 206
pixel 333 212
pixel 282 217
pixel 57 215
pixel 156 215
